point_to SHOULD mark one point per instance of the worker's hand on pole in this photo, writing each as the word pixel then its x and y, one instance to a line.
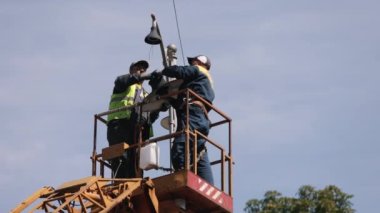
pixel 156 80
pixel 156 74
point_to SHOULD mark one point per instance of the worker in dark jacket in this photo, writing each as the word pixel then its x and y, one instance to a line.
pixel 124 126
pixel 197 78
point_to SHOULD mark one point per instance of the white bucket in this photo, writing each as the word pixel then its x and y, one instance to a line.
pixel 149 156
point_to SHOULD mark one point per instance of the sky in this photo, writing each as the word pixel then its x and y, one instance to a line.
pixel 300 80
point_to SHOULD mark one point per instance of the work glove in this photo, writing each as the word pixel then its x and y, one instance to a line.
pixel 156 80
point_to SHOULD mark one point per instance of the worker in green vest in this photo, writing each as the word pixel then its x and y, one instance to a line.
pixel 124 126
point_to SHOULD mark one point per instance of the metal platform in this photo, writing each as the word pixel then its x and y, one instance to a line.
pixel 184 191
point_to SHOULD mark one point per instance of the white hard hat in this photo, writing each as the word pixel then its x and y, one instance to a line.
pixel 201 58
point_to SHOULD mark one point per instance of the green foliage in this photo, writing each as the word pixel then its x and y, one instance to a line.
pixel 309 200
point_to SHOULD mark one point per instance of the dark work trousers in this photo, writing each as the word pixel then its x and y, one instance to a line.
pixel 197 121
pixel 124 130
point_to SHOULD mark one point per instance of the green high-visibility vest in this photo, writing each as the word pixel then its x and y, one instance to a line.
pixel 123 99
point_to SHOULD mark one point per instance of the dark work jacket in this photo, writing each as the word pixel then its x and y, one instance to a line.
pixel 123 82
pixel 194 79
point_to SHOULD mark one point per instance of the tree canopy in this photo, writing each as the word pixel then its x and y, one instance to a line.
pixel 308 200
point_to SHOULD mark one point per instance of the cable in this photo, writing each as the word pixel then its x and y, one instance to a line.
pixel 179 33
pixel 118 167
